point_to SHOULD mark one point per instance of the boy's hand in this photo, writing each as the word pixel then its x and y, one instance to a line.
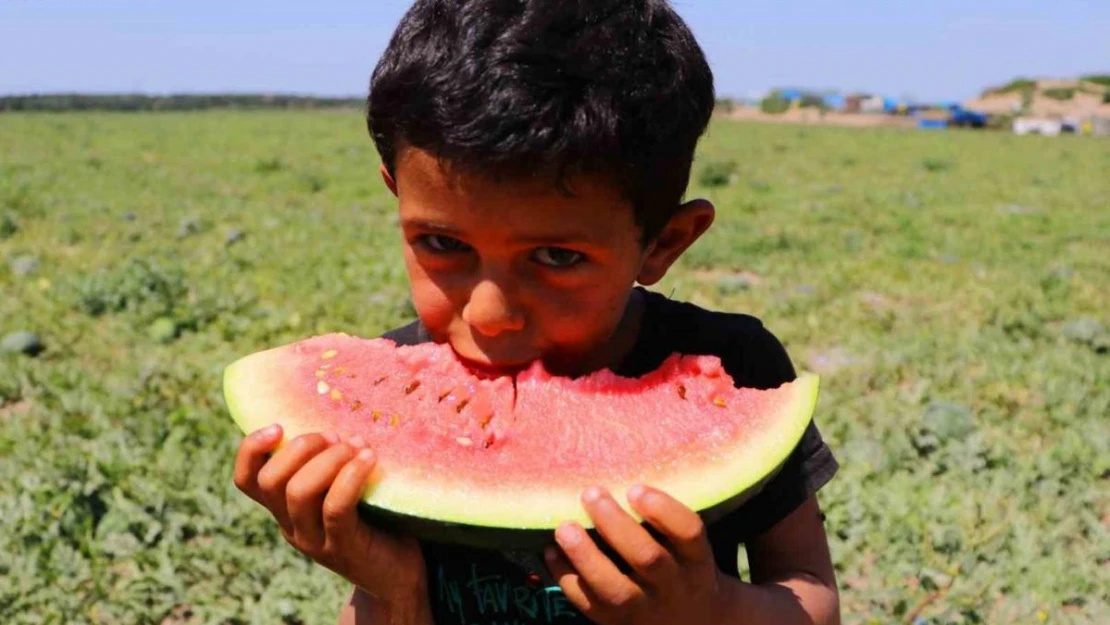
pixel 672 583
pixel 312 486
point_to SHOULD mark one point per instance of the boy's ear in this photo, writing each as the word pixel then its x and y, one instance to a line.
pixel 389 181
pixel 688 223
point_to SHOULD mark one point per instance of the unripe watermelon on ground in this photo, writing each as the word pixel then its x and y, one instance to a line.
pixel 501 462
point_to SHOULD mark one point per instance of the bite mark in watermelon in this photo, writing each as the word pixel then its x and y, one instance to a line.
pixel 501 462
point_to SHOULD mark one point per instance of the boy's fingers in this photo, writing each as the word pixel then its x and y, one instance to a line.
pixel 340 509
pixel 275 476
pixel 569 581
pixel 252 456
pixel 305 493
pixel 651 561
pixel 595 569
pixel 681 526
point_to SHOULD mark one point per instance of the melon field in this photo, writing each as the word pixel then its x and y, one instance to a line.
pixel 953 290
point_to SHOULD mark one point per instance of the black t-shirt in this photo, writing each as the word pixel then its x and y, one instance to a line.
pixel 481 587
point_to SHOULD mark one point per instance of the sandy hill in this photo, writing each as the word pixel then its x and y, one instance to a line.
pixel 1080 98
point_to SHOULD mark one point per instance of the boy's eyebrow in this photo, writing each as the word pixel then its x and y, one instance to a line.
pixel 442 228
pixel 566 237
pixel 424 224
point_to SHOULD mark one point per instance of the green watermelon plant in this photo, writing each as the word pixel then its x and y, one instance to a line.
pixel 961 346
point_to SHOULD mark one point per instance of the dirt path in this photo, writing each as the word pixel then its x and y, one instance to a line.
pixel 815 117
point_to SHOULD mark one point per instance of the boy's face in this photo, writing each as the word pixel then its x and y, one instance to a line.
pixel 511 272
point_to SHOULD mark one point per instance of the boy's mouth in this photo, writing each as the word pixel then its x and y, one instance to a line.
pixel 491 368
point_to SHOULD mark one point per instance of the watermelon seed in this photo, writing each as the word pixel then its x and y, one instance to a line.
pixel 375 415
pixel 462 404
pixel 356 405
pixel 682 391
pixel 393 421
pixel 321 373
pixel 380 380
pixel 412 386
pixel 719 402
pixel 322 387
pixel 340 370
pixel 336 395
pixel 464 441
pixel 328 355
pixel 444 395
pixel 484 421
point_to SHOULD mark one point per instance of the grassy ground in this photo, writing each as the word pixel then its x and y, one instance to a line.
pixel 953 289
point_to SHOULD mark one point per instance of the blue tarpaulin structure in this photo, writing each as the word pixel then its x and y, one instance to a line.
pixel 932 124
pixel 793 95
pixel 834 101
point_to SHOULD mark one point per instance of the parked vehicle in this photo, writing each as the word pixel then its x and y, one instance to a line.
pixel 961 117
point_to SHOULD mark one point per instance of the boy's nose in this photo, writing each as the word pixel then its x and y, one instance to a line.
pixel 490 311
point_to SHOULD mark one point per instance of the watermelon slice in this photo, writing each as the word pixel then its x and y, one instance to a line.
pixel 501 462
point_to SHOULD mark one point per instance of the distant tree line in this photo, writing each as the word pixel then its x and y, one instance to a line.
pixel 57 102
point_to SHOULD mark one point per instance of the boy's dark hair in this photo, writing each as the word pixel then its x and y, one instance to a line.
pixel 518 88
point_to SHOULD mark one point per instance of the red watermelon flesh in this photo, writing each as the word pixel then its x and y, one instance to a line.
pixel 515 452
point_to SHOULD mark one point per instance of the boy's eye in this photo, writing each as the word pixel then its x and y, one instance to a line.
pixel 557 257
pixel 441 243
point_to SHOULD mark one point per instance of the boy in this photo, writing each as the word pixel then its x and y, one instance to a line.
pixel 539 151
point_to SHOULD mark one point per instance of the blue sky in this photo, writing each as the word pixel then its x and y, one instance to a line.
pixel 939 49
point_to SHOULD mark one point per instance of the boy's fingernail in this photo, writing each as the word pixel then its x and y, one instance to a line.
pixel 568 535
pixel 365 455
pixel 593 494
pixel 331 437
pixel 268 431
pixel 357 441
pixel 637 492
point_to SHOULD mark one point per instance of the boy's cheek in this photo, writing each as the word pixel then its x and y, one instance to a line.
pixel 433 306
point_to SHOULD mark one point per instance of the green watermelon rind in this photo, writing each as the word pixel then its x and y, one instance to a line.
pixel 438 512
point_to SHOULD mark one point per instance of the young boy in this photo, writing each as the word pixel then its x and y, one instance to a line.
pixel 539 151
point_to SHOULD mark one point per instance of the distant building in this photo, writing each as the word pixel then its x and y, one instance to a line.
pixel 853 102
pixel 872 104
pixel 1038 126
